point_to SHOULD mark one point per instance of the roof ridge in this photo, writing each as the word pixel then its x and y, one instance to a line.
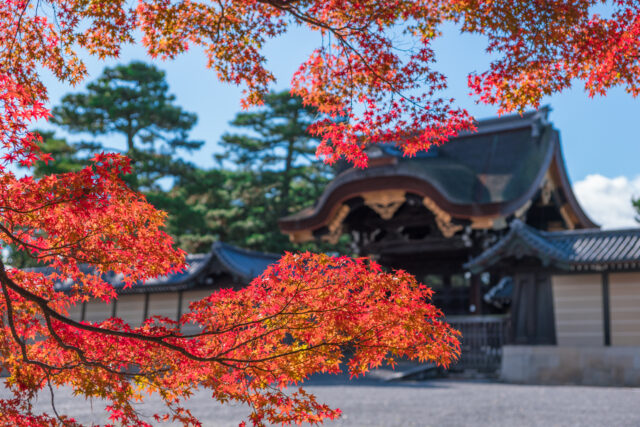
pixel 221 244
pixel 588 231
pixel 602 248
pixel 545 109
pixel 518 230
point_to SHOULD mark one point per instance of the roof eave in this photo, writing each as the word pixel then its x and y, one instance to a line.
pixel 521 241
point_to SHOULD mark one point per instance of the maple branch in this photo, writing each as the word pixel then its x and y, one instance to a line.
pixel 53 404
pixel 47 311
pixel 226 361
pixel 337 32
pixel 18 25
pixel 50 251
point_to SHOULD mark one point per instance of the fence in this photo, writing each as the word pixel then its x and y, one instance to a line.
pixel 482 341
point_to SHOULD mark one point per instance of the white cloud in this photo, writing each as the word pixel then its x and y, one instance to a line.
pixel 607 201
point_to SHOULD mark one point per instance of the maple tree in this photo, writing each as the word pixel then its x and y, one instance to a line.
pixel 297 316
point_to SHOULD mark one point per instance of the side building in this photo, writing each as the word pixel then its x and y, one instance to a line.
pixel 575 305
pixel 226 266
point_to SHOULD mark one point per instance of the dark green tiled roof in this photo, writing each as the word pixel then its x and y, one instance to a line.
pixel 484 168
pixel 242 264
pixel 497 164
pixel 490 173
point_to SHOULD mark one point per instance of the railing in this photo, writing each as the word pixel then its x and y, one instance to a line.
pixel 482 341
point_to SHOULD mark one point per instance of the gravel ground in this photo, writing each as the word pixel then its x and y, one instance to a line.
pixel 371 402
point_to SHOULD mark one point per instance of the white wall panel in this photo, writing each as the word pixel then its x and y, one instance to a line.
pixel 624 291
pixel 577 301
pixel 75 312
pixel 97 311
pixel 188 297
pixel 163 304
pixel 130 308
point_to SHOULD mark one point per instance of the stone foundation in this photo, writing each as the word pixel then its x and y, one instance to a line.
pixel 602 366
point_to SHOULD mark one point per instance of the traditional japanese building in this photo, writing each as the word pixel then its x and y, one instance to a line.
pixel 432 213
pixel 575 312
pixel 490 221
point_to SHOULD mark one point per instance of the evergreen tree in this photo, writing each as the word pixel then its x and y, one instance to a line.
pixel 133 100
pixel 277 146
pixel 266 172
pixel 277 172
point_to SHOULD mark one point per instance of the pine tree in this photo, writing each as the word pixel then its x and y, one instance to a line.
pixel 133 100
pixel 66 156
pixel 276 144
pixel 277 172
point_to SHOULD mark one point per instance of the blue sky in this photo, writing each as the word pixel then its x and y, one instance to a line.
pixel 599 135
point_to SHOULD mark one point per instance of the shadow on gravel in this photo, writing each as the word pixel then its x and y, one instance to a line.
pixel 405 374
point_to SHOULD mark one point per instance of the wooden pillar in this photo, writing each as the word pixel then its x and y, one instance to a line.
pixel 523 309
pixel 606 309
pixel 446 280
pixel 446 293
pixel 545 316
pixel 145 312
pixel 529 306
pixel 475 294
pixel 179 305
pixel 532 317
pixel 516 302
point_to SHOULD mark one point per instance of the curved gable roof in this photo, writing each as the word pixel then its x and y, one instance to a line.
pixel 243 263
pixel 490 173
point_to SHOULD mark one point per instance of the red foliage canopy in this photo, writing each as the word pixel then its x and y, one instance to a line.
pixel 297 317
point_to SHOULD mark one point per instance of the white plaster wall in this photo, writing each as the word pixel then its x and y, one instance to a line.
pixel 188 297
pixel 97 311
pixel 164 304
pixel 75 312
pixel 602 366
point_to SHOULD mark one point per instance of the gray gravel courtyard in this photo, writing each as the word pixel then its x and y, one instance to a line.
pixel 370 402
